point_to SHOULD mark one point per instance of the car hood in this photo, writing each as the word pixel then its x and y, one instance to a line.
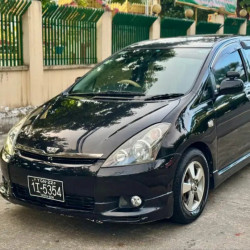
pixel 84 125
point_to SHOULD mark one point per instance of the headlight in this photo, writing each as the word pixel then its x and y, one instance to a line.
pixel 9 146
pixel 141 148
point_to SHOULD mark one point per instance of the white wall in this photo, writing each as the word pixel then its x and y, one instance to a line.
pixel 14 86
pixel 57 79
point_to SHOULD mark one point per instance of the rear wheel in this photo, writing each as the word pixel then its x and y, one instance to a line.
pixel 191 187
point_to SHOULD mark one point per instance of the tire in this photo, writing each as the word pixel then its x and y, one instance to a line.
pixel 191 187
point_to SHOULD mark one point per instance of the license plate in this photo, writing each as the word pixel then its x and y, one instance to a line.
pixel 46 188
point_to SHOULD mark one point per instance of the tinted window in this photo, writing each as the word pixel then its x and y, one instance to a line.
pixel 247 56
pixel 146 71
pixel 228 62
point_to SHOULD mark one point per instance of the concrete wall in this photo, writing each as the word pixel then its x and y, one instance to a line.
pixel 14 84
pixel 58 78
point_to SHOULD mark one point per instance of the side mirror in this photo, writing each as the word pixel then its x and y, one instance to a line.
pixel 78 79
pixel 231 85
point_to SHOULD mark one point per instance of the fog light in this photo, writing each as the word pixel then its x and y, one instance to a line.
pixel 136 201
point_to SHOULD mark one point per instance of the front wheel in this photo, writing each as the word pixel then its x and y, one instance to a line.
pixel 191 185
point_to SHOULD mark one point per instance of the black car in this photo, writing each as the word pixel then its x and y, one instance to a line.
pixel 141 137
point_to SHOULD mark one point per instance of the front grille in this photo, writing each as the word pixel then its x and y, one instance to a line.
pixel 60 160
pixel 83 203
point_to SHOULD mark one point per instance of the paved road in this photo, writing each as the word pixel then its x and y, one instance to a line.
pixel 225 224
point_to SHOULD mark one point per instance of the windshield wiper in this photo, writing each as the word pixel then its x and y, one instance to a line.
pixel 109 93
pixel 164 96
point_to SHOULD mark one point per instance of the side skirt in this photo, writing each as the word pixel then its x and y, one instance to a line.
pixel 223 174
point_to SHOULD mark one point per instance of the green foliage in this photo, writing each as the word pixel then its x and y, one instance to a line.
pixel 244 4
pixel 169 9
pixel 203 14
pixel 46 3
pixel 131 1
pixel 81 3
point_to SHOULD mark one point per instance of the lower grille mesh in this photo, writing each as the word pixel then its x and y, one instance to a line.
pixel 72 202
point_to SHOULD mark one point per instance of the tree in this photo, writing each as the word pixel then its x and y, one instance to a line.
pixel 203 14
pixel 243 4
pixel 46 3
pixel 169 9
pixel 131 1
pixel 81 3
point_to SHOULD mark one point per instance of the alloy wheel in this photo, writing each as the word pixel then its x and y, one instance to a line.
pixel 193 186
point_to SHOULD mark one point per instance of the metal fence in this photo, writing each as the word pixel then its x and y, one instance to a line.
pixel 69 35
pixel 232 25
pixel 172 27
pixel 11 41
pixel 207 28
pixel 129 28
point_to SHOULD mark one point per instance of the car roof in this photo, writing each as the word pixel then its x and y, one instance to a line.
pixel 198 41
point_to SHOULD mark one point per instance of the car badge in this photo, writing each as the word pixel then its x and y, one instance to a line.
pixel 52 150
pixel 50 159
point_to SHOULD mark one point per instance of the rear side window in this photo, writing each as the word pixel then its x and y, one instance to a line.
pixel 228 62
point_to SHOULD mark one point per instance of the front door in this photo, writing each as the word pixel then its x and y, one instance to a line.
pixel 232 111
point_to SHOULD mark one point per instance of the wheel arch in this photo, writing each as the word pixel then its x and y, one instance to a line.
pixel 207 153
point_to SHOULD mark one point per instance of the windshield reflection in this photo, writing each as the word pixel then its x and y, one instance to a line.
pixel 145 71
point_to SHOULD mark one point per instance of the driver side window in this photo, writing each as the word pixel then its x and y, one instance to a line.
pixel 228 62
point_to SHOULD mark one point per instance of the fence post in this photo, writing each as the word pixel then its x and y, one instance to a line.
pixel 192 29
pixel 215 18
pixel 155 29
pixel 33 52
pixel 243 28
pixel 104 36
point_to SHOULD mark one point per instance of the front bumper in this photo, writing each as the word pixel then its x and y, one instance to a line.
pixel 93 192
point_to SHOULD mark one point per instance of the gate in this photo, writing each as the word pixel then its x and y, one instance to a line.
pixel 11 33
pixel 129 28
pixel 207 28
pixel 172 27
pixel 69 35
pixel 232 25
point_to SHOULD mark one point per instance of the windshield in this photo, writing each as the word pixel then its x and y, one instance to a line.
pixel 146 72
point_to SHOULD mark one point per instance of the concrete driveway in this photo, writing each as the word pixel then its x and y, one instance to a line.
pixel 224 224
